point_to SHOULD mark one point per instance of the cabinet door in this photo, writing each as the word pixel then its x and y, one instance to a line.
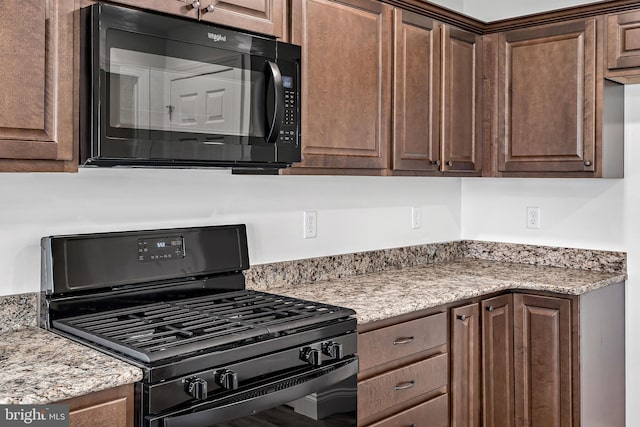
pixel 465 366
pixel 109 408
pixel 37 116
pixel 346 69
pixel 416 96
pixel 461 101
pixel 260 16
pixel 186 8
pixel 497 361
pixel 543 361
pixel 623 40
pixel 547 106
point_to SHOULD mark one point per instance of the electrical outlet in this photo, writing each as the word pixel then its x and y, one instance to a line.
pixel 533 217
pixel 310 230
pixel 416 220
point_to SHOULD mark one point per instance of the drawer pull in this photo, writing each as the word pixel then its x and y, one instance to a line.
pixel 405 385
pixel 403 340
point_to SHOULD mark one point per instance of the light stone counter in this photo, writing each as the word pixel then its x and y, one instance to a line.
pixel 37 366
pixel 377 296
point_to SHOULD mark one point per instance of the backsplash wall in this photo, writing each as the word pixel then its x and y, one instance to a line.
pixel 353 213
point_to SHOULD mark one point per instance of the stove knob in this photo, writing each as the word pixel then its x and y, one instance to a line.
pixel 227 379
pixel 333 349
pixel 196 387
pixel 311 356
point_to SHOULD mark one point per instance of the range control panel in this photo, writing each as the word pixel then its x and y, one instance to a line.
pixel 160 248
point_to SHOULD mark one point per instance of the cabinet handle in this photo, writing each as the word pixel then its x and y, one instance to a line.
pixel 208 9
pixel 405 385
pixel 449 163
pixel 587 163
pixel 490 308
pixel 462 317
pixel 193 4
pixel 404 340
pixel 436 162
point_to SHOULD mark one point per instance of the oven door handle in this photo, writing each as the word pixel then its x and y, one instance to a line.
pixel 278 102
pixel 213 412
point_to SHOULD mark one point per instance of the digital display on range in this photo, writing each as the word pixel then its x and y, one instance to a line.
pixel 160 249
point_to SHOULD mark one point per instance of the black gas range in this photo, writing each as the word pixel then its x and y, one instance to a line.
pixel 173 302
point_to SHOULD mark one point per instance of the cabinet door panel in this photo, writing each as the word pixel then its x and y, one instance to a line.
pixel 174 7
pixel 397 387
pixel 497 361
pixel 547 101
pixel 432 413
pixel 346 50
pixel 37 70
pixel 260 16
pixel 404 339
pixel 462 89
pixel 623 41
pixel 543 355
pixel 416 103
pixel 108 408
pixel 465 366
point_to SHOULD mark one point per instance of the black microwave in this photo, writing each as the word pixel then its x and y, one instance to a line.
pixel 164 91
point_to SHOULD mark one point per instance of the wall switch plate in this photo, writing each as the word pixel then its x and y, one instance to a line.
pixel 533 217
pixel 310 229
pixel 416 220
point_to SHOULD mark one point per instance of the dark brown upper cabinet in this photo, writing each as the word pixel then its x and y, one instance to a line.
pixel 623 47
pixel 37 108
pixel 185 8
pixel 416 96
pixel 556 116
pixel 437 97
pixel 346 92
pixel 260 16
pixel 461 108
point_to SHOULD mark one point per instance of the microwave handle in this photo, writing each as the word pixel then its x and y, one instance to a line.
pixel 278 110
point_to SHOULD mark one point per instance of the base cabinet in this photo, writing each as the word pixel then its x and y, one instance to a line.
pixel 404 374
pixel 497 361
pixel 109 408
pixel 543 360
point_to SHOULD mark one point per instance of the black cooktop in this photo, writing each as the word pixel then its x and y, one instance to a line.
pixel 215 322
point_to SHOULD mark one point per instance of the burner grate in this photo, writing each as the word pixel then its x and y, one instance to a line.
pixel 163 330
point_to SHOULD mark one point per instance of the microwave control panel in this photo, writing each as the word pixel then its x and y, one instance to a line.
pixel 289 121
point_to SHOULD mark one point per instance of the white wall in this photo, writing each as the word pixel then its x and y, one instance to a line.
pixel 353 213
pixel 503 9
pixel 595 214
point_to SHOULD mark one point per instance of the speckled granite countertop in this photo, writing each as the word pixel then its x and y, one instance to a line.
pixel 37 366
pixel 382 295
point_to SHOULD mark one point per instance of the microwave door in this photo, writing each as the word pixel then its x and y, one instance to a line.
pixel 216 102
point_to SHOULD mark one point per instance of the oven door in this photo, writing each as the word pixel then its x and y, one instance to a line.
pixel 324 396
pixel 168 91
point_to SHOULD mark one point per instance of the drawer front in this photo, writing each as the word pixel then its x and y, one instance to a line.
pixel 400 385
pixel 397 341
pixel 432 413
